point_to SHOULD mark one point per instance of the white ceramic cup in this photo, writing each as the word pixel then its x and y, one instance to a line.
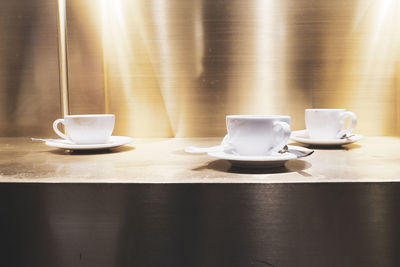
pixel 257 135
pixel 86 129
pixel 329 123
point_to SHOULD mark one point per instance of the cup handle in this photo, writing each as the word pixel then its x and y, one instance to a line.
pixel 285 129
pixel 353 123
pixel 55 128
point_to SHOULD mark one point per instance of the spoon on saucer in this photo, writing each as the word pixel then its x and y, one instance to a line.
pixel 199 150
pixel 51 140
pixel 299 151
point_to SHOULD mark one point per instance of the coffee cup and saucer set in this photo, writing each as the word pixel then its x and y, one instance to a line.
pixel 255 141
pixel 86 132
pixel 327 127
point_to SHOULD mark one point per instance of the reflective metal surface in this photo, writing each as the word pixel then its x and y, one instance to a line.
pixel 85 58
pixel 29 88
pixel 210 225
pixel 176 67
pixel 147 160
pixel 63 55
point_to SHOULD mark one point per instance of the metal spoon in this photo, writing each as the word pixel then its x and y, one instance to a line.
pixel 300 152
pixel 51 140
pixel 345 136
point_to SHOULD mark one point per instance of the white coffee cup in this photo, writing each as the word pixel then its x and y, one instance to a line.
pixel 257 135
pixel 86 129
pixel 329 123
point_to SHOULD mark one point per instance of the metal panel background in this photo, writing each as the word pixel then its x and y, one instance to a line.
pixel 333 224
pixel 176 67
pixel 29 88
pixel 85 59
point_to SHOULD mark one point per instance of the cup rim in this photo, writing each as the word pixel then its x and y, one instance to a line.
pixel 257 117
pixel 88 115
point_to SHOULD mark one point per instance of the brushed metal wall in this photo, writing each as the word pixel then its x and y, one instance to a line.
pixel 85 58
pixel 29 81
pixel 176 67
pixel 259 225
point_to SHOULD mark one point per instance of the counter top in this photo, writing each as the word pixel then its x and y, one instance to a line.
pixel 373 159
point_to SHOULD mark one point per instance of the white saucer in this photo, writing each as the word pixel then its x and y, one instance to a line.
pixel 270 161
pixel 114 141
pixel 302 137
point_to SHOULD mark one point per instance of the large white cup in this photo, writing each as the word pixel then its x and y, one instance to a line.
pixel 86 129
pixel 257 135
pixel 329 123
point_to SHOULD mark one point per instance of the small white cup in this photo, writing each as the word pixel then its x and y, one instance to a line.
pixel 329 123
pixel 86 129
pixel 257 135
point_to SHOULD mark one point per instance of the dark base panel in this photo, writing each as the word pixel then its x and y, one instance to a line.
pixel 349 224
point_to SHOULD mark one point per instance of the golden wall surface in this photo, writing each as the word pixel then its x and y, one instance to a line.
pixel 29 80
pixel 176 67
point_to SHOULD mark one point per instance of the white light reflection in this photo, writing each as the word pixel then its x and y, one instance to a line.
pixel 133 90
pixel 377 24
pixel 265 82
pixel 166 69
pixel 116 46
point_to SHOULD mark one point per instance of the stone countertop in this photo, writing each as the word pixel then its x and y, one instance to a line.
pixel 373 159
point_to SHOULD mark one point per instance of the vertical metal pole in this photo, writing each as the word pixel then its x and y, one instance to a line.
pixel 104 35
pixel 105 82
pixel 62 55
pixel 397 84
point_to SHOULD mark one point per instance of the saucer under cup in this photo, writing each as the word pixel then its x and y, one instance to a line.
pixel 302 136
pixel 272 161
pixel 257 135
pixel 113 142
pixel 86 129
pixel 329 123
